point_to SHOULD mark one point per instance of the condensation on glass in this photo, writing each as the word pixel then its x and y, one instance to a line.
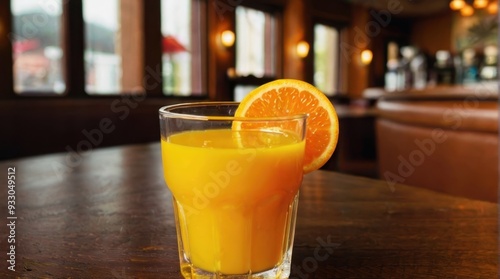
pixel 37 49
pixel 256 42
pixel 326 58
pixel 183 47
pixel 113 54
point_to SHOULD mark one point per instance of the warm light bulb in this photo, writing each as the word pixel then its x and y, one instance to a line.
pixel 492 8
pixel 480 4
pixel 302 49
pixel 366 56
pixel 467 11
pixel 227 38
pixel 457 4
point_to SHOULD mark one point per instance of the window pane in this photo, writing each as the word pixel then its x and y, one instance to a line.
pixel 255 42
pixel 113 56
pixel 182 27
pixel 326 58
pixel 36 43
pixel 240 91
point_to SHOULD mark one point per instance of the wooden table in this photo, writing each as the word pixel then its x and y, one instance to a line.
pixel 108 214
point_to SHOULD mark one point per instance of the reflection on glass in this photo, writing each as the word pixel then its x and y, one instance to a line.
pixel 36 43
pixel 326 58
pixel 255 42
pixel 113 54
pixel 183 59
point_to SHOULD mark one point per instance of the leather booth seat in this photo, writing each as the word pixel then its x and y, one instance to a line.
pixel 448 145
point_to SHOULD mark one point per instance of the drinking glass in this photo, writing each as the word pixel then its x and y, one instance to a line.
pixel 235 187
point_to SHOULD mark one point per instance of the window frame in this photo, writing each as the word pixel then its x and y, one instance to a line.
pixel 6 67
pixel 341 77
pixel 277 13
pixel 199 15
pixel 73 46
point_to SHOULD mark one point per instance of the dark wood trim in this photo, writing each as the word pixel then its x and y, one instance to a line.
pixel 309 37
pixel 73 38
pixel 219 59
pixel 153 68
pixel 279 45
pixel 332 11
pixel 6 78
pixel 263 6
pixel 199 47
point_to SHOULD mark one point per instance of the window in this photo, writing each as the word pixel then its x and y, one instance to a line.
pixel 113 61
pixel 109 46
pixel 37 46
pixel 256 47
pixel 326 58
pixel 255 42
pixel 183 46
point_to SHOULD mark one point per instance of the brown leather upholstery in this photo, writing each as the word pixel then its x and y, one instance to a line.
pixel 444 145
pixel 461 115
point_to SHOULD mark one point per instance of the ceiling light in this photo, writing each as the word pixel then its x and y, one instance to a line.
pixel 492 8
pixel 457 4
pixel 467 11
pixel 480 4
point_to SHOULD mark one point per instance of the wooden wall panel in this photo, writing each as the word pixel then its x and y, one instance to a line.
pixel 295 29
pixel 433 33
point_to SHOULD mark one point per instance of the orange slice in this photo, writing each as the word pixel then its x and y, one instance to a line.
pixel 288 97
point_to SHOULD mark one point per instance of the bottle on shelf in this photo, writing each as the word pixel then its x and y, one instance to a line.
pixel 470 73
pixel 418 67
pixel 405 75
pixel 489 69
pixel 444 68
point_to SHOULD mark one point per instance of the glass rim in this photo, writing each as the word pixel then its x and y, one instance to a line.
pixel 166 112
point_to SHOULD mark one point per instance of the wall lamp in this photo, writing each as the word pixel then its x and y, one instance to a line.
pixel 227 38
pixel 302 49
pixel 366 57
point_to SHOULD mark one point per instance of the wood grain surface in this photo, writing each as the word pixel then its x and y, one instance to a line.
pixel 107 214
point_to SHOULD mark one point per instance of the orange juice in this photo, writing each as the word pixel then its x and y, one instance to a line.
pixel 233 193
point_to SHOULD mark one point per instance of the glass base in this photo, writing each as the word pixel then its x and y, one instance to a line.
pixel 280 272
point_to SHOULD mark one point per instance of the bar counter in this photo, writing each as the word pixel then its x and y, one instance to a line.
pixel 480 91
pixel 107 213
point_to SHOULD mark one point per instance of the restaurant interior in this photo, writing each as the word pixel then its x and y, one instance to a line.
pixel 396 71
pixel 411 190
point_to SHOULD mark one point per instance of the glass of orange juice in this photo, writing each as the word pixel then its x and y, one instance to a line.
pixel 235 186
